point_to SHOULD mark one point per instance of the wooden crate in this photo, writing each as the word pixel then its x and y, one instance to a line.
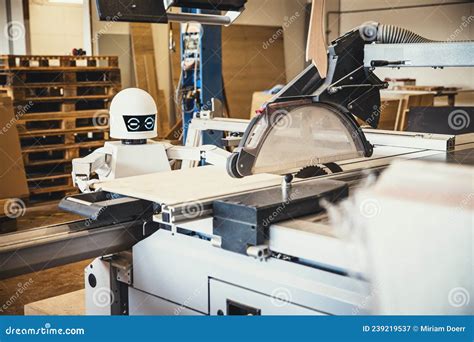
pixel 35 155
pixel 62 90
pixel 29 61
pixel 59 76
pixel 61 105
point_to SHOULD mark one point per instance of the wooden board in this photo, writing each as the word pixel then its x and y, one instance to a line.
pixel 187 185
pixel 316 48
pixel 389 114
pixel 408 99
pixel 12 173
pixel 145 71
pixel 253 59
pixel 69 304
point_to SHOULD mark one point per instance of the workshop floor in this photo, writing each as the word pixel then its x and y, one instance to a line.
pixel 18 291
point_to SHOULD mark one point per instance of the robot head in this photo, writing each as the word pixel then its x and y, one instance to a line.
pixel 133 115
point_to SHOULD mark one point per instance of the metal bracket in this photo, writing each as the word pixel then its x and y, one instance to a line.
pixel 123 262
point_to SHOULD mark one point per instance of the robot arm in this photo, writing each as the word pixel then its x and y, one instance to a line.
pixel 83 168
pixel 210 153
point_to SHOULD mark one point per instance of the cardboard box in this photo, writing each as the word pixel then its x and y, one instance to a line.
pixel 12 171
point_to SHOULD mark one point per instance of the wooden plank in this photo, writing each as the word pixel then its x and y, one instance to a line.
pixel 60 68
pixel 65 98
pixel 62 84
pixel 316 48
pixel 59 115
pixel 42 178
pixel 53 61
pixel 389 114
pixel 69 304
pixel 408 99
pixel 187 185
pixel 45 190
pixel 56 132
pixel 254 68
pixel 63 147
pixel 145 71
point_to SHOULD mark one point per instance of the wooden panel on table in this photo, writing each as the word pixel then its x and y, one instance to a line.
pixel 187 185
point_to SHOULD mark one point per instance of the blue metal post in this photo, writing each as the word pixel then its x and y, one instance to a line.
pixel 209 78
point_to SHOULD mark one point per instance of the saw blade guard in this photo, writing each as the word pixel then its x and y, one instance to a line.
pixel 291 135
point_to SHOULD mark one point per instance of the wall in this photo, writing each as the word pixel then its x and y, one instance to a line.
pixel 104 27
pixel 14 29
pixel 277 13
pixel 3 24
pixel 438 23
pixel 55 28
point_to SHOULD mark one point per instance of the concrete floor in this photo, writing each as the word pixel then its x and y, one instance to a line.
pixel 18 291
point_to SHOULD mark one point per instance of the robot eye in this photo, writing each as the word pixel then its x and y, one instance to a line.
pixel 150 123
pixel 133 124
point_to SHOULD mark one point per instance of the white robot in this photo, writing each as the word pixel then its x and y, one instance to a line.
pixel 133 115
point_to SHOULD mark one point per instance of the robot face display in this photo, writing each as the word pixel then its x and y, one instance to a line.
pixel 139 123
pixel 133 115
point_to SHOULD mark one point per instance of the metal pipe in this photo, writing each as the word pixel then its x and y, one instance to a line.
pixel 389 9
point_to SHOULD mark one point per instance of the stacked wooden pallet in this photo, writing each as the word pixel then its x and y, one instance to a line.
pixel 61 112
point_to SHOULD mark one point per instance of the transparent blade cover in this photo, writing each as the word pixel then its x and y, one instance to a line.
pixel 292 135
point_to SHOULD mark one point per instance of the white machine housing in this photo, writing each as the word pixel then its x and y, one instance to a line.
pixel 184 271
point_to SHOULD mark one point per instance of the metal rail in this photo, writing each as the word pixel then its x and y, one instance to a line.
pixel 42 248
